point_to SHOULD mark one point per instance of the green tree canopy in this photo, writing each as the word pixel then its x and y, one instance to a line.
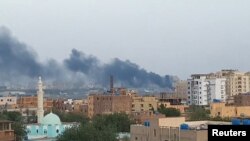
pixel 169 112
pixel 198 113
pixel 100 128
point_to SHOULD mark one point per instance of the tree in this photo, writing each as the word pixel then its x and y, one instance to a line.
pixel 119 121
pixel 19 130
pixel 198 113
pixel 169 112
pixel 101 128
pixel 88 132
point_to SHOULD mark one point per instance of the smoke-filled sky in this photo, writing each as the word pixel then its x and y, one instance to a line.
pixel 20 65
pixel 177 37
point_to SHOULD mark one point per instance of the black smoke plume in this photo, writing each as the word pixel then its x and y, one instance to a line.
pixel 19 65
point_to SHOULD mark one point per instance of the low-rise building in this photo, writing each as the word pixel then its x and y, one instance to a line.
pixel 242 99
pixel 6 131
pixel 144 103
pixel 158 129
pixel 171 129
pixel 181 108
pixel 141 117
pixel 222 110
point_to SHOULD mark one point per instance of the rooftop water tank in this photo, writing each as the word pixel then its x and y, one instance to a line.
pixel 184 126
pixel 246 122
pixel 236 121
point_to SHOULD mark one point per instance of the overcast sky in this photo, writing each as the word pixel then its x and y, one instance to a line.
pixel 177 37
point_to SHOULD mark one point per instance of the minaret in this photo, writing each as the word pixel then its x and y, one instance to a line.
pixel 40 111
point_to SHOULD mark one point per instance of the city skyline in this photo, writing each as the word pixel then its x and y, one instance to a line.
pixel 165 37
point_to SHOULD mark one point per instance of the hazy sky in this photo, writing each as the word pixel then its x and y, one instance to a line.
pixel 177 37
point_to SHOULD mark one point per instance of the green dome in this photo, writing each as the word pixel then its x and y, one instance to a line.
pixel 51 119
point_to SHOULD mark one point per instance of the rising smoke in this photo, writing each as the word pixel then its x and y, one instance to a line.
pixel 19 65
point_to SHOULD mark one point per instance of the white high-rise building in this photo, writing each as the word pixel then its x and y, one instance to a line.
pixel 197 90
pixel 40 92
pixel 204 89
pixel 216 89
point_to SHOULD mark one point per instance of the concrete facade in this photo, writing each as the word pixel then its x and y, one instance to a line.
pixel 144 103
pixel 166 129
pixel 237 82
pixel 203 89
pixel 99 104
pixel 6 131
pixel 8 100
pixel 242 99
pixel 221 110
pixel 31 102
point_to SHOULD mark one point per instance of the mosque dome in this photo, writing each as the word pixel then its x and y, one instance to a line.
pixel 51 119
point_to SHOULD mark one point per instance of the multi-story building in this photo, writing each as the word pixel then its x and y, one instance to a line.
pixel 236 82
pixel 144 103
pixel 172 97
pixel 6 131
pixel 99 104
pixel 181 89
pixel 31 102
pixel 203 89
pixel 197 90
pixel 8 101
pixel 216 89
pixel 242 99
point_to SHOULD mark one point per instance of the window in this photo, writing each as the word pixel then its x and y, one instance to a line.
pixel 136 138
pixel 150 105
pixel 45 131
pixel 57 131
pixel 155 132
pixel 37 131
pixel 141 105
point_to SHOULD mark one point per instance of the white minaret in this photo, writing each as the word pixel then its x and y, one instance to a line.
pixel 40 111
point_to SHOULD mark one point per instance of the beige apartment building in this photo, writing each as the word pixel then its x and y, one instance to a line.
pixel 181 89
pixel 99 104
pixel 144 103
pixel 236 82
